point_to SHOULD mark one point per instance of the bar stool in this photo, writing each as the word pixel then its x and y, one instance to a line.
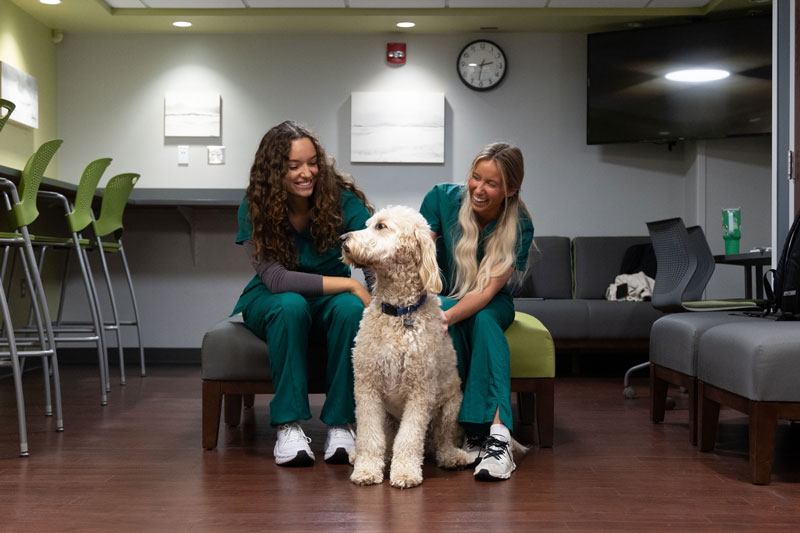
pixel 77 218
pixel 20 213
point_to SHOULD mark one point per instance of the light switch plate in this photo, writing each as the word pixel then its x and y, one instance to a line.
pixel 216 155
pixel 183 154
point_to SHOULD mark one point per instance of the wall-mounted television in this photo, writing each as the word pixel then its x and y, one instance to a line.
pixel 629 99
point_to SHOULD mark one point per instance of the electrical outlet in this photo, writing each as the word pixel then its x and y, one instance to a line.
pixel 216 155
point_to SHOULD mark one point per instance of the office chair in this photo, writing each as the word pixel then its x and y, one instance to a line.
pixel 685 265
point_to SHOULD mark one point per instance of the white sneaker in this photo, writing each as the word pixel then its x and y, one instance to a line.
pixel 292 448
pixel 497 462
pixel 340 442
pixel 473 445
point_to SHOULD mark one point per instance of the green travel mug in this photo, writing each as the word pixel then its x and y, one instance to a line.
pixel 731 229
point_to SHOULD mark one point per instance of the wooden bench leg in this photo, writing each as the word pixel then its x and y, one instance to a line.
pixel 707 419
pixel 693 411
pixel 249 400
pixel 212 408
pixel 763 425
pixel 545 410
pixel 526 405
pixel 233 409
pixel 658 396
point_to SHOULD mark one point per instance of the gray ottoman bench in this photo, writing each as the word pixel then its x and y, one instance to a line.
pixel 674 341
pixel 754 368
pixel 235 366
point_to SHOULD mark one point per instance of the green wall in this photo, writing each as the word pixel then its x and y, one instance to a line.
pixel 26 44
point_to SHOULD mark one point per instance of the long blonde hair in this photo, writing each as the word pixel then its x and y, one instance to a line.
pixel 500 253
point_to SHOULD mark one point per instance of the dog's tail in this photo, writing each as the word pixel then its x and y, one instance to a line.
pixel 516 446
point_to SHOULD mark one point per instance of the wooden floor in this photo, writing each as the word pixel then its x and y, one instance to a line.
pixel 137 465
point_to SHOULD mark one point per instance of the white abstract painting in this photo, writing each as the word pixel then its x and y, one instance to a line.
pixel 191 115
pixel 397 127
pixel 20 88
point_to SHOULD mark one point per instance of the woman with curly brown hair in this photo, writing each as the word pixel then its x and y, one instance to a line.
pixel 295 207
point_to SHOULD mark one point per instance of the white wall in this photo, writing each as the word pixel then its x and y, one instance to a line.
pixel 111 90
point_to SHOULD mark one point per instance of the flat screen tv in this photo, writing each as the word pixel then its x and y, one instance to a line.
pixel 630 99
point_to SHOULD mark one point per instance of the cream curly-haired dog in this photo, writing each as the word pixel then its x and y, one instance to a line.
pixel 404 363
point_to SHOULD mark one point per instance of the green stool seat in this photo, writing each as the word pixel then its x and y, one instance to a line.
pixel 533 371
pixel 533 354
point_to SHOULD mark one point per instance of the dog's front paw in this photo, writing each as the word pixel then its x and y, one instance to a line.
pixel 367 474
pixel 405 478
pixel 360 477
pixel 351 456
pixel 452 458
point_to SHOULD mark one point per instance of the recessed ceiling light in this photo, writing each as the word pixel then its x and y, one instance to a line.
pixel 50 2
pixel 697 75
pixel 181 24
pixel 405 24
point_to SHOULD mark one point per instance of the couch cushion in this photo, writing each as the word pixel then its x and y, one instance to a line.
pixel 620 320
pixel 549 273
pixel 674 338
pixel 597 262
pixel 758 360
pixel 565 319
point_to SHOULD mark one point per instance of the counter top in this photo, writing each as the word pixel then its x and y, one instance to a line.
pixel 151 197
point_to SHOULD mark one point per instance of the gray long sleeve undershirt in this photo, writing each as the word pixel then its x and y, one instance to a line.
pixel 277 278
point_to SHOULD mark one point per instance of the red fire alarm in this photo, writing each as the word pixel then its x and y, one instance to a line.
pixel 396 52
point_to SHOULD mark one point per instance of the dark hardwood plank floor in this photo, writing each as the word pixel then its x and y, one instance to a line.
pixel 137 465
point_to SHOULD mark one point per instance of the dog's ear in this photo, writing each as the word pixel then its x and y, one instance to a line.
pixel 428 268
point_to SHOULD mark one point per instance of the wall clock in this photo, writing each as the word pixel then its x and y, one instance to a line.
pixel 481 65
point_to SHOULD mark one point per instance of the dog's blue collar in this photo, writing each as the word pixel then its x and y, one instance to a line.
pixel 392 310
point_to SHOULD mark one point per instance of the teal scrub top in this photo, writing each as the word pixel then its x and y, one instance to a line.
pixel 440 208
pixel 329 263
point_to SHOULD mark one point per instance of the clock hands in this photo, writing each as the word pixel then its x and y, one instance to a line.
pixel 483 64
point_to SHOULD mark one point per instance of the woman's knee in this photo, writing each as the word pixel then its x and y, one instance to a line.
pixel 289 307
pixel 347 309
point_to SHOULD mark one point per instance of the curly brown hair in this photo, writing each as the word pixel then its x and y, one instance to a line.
pixel 267 195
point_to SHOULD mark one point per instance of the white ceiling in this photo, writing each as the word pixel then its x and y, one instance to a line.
pixel 401 4
pixel 371 16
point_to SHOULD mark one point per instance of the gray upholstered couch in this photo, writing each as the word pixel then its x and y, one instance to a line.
pixel 565 288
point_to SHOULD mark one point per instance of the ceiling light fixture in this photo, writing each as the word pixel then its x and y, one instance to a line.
pixel 405 24
pixel 181 24
pixel 50 2
pixel 697 75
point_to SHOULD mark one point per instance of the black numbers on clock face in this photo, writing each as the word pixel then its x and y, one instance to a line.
pixel 481 65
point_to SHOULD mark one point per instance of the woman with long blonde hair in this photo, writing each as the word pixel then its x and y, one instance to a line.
pixel 295 207
pixel 483 232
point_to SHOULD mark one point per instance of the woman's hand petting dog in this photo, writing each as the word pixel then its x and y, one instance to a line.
pixel 359 290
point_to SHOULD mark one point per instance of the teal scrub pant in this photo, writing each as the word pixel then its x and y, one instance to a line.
pixel 484 364
pixel 287 321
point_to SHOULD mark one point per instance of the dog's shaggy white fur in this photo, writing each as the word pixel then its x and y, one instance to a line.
pixel 405 366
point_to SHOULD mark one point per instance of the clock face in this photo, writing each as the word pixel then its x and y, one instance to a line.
pixel 481 65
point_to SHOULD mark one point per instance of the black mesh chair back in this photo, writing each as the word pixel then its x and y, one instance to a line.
pixel 676 265
pixel 698 247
